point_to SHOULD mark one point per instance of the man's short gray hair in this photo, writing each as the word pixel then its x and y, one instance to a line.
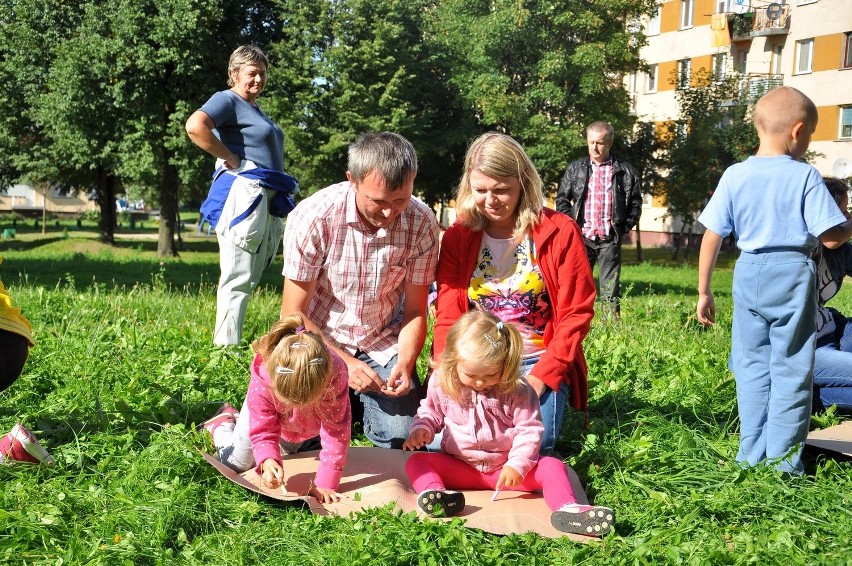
pixel 601 126
pixel 388 154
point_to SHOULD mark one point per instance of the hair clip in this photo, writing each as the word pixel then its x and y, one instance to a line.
pixel 316 362
pixel 299 329
pixel 500 326
pixel 281 370
pixel 296 345
pixel 492 341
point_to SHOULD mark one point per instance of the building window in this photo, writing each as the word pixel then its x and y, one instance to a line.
pixel 777 59
pixel 686 11
pixel 846 122
pixel 720 66
pixel 654 23
pixel 804 55
pixel 684 70
pixel 722 6
pixel 847 51
pixel 651 83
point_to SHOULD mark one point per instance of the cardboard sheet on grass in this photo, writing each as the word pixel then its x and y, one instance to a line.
pixel 836 438
pixel 374 477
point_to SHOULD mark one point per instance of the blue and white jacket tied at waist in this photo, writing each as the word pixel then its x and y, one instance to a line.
pixel 237 203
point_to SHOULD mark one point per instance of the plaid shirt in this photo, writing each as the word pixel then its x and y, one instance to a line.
pixel 597 213
pixel 361 276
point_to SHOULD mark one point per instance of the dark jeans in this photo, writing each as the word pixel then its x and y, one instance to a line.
pixel 607 254
pixel 14 350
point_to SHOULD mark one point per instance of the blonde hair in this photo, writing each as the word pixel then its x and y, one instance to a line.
pixel 296 360
pixel 498 155
pixel 491 342
pixel 245 55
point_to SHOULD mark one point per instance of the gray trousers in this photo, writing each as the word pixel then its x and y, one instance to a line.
pixel 607 254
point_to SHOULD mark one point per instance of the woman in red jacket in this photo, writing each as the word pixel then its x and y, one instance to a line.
pixel 509 255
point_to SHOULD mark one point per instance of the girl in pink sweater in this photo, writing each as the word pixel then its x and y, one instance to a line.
pixel 299 389
pixel 492 431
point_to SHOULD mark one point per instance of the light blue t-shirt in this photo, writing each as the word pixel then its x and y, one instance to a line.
pixel 771 203
pixel 246 130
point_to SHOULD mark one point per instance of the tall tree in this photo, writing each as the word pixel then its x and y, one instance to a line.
pixel 712 133
pixel 30 33
pixel 542 71
pixel 347 66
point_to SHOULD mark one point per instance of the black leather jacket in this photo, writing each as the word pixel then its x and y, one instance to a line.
pixel 627 204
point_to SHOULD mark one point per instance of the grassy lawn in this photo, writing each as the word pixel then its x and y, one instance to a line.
pixel 124 369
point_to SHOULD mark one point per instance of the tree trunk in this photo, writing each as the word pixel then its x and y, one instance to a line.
pixel 168 211
pixel 106 201
pixel 688 242
pixel 679 241
pixel 44 210
pixel 640 257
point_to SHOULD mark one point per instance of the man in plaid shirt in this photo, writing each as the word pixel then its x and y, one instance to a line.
pixel 604 195
pixel 359 257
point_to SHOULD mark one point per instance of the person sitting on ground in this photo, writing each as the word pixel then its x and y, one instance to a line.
pixel 298 390
pixel 509 255
pixel 358 260
pixel 833 355
pixel 16 339
pixel 491 430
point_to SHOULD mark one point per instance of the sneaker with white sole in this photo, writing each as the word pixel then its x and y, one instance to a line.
pixel 20 445
pixel 226 414
pixel 437 503
pixel 579 519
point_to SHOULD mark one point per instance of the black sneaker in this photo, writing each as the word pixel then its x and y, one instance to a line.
pixel 583 519
pixel 436 503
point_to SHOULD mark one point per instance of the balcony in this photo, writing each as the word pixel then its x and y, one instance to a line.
pixel 754 85
pixel 758 24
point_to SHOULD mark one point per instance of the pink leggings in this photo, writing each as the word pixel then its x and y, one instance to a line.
pixel 439 471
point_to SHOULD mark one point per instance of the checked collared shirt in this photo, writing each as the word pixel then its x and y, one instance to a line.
pixel 360 275
pixel 597 213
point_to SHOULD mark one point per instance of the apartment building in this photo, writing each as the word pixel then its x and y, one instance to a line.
pixel 806 44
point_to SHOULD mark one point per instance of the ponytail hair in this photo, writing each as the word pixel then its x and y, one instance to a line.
pixel 481 336
pixel 297 361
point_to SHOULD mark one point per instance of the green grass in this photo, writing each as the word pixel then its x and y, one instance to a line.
pixel 124 369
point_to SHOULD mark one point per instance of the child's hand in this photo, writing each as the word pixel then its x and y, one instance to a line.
pixel 324 495
pixel 418 439
pixel 706 309
pixel 509 477
pixel 272 474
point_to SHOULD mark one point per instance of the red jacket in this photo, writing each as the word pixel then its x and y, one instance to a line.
pixel 561 256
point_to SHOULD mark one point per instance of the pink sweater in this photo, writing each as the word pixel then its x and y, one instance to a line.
pixel 271 420
pixel 485 432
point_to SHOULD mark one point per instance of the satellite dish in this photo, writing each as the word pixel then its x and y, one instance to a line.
pixel 634 25
pixel 842 168
pixel 773 11
pixel 740 6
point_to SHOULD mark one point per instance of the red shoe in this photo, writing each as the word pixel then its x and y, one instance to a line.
pixel 226 414
pixel 20 445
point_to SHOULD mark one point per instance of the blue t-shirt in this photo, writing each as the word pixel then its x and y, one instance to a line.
pixel 771 203
pixel 246 130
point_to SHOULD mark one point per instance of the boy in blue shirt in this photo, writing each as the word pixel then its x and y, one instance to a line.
pixel 776 207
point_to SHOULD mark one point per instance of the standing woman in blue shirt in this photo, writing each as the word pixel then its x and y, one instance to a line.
pixel 232 128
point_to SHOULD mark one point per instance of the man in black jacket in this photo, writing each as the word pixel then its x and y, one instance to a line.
pixel 604 196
